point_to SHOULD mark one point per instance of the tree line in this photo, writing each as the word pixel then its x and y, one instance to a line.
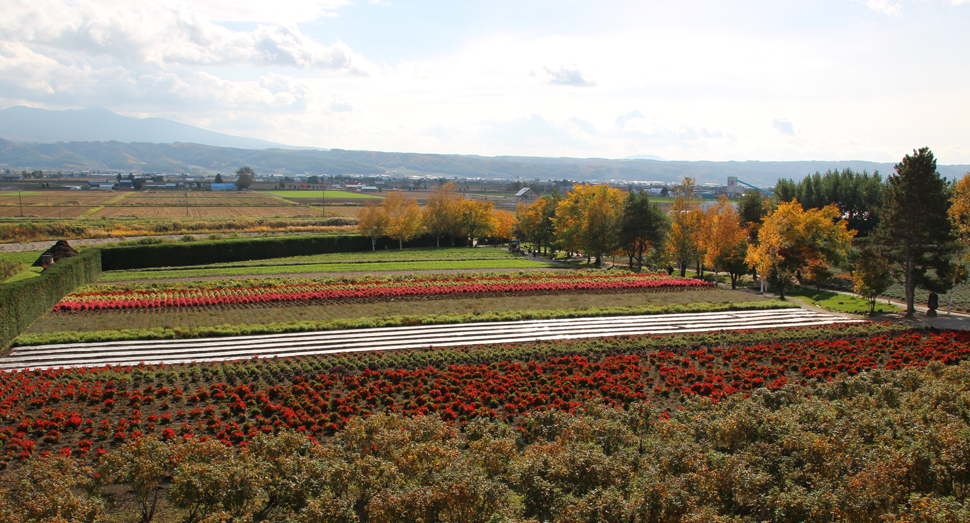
pixel 902 229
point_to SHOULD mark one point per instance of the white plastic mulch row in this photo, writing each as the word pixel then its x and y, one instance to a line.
pixel 391 338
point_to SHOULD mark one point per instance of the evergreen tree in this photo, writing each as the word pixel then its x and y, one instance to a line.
pixel 915 229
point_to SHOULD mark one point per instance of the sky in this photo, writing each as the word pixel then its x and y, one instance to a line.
pixel 768 80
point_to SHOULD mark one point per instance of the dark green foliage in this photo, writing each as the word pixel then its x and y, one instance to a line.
pixel 915 230
pixel 24 301
pixel 206 252
pixel 858 195
pixel 643 227
pixel 245 177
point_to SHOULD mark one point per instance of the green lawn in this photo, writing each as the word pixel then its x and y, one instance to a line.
pixel 317 194
pixel 836 302
pixel 26 258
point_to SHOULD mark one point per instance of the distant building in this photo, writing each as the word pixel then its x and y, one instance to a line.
pixel 223 186
pixel 526 194
pixel 369 188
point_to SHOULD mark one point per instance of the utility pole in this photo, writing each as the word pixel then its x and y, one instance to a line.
pixel 21 198
pixel 323 197
pixel 186 204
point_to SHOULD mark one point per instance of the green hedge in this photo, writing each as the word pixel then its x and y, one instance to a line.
pixel 181 254
pixel 24 301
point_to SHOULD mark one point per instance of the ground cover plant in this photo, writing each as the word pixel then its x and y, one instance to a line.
pixel 886 445
pixel 220 293
pixel 85 410
pixel 183 323
pixel 643 427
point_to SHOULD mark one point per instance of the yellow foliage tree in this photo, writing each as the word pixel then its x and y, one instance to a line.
pixel 442 213
pixel 960 212
pixel 720 234
pixel 588 220
pixel 685 227
pixel 477 219
pixel 403 217
pixel 372 221
pixel 792 238
pixel 504 225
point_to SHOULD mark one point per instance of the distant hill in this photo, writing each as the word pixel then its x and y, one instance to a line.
pixel 169 157
pixel 195 158
pixel 28 124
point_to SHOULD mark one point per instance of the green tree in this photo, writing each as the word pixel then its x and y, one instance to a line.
pixel 245 177
pixel 643 227
pixel 219 178
pixel 915 230
pixel 871 274
pixel 858 195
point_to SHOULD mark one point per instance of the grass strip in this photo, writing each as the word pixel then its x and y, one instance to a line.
pixel 91 211
pixel 120 276
pixel 164 333
pixel 837 302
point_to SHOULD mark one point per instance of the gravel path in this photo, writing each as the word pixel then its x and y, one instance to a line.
pixel 360 340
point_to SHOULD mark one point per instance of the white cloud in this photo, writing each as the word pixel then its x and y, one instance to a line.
pixel 154 33
pixel 568 76
pixel 783 125
pixel 885 6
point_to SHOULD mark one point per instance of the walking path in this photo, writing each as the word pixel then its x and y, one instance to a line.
pixel 361 340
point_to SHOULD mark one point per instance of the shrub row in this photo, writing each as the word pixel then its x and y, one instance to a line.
pixel 24 301
pixel 243 249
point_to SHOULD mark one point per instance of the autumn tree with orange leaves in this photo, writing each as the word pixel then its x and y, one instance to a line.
pixel 722 237
pixel 792 238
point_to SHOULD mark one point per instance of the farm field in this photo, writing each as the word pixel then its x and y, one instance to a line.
pixel 337 195
pixel 630 411
pixel 151 204
pixel 205 211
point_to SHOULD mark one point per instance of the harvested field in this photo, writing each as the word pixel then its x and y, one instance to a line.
pixel 344 195
pixel 65 198
pixel 281 211
pixel 44 211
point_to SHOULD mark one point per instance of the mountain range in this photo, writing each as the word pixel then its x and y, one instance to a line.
pixel 97 139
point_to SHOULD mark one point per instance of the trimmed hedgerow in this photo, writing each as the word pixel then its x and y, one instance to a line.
pixel 24 301
pixel 243 249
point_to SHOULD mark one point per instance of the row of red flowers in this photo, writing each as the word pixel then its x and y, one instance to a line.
pixel 84 410
pixel 366 289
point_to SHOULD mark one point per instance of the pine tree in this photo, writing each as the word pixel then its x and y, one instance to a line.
pixel 915 229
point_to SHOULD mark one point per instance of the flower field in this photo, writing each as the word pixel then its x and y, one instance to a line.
pixel 277 291
pixel 87 412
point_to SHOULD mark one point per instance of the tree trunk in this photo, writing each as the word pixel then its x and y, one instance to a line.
pixel 373 244
pixel 400 245
pixel 910 286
